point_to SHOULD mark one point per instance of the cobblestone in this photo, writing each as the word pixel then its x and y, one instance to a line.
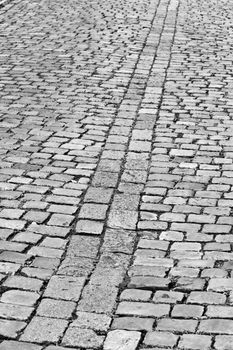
pixel 11 329
pixel 195 341
pixel 15 345
pixel 86 338
pixel 56 308
pixel 133 323
pixel 116 175
pixel 125 340
pixel 43 329
pixel 160 339
pixel 66 288
pixel 143 309
pixel 98 322
pixel 19 297
pixel 15 312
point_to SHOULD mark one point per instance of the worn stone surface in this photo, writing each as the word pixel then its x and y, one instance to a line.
pixel 15 345
pixel 43 329
pixel 98 322
pixel 195 341
pixel 15 312
pixel 85 338
pixel 133 323
pixel 121 339
pixel 116 175
pixel 56 308
pixel 98 298
pixel 19 297
pixel 160 339
pixel 66 288
pixel 10 328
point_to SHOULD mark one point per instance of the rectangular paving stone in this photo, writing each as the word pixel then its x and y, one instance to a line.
pixel 62 209
pixel 169 297
pixel 45 263
pixel 195 341
pixel 15 312
pixel 10 328
pixel 8 267
pixel 135 295
pixel 17 345
pixel 85 338
pixel 65 287
pixel 161 339
pixel 36 216
pixel 152 225
pixel 214 311
pixel 98 298
pixel 126 219
pixel 5 233
pixel 57 231
pixel 19 297
pixel 27 237
pixel 83 246
pixel 118 240
pixel 25 283
pixel 142 309
pixel 98 195
pixel 11 213
pixel 126 340
pixel 93 211
pixel 89 227
pixel 176 325
pixel 187 311
pixel 45 252
pixel 223 342
pixel 110 270
pixel 61 220
pixel 216 326
pixel 220 284
pixel 43 329
pixel 133 323
pixel 149 282
pixel 152 244
pixel 186 284
pixel 181 153
pixel 105 179
pixel 152 261
pixel 56 308
pixel 76 266
pixel 95 321
pixel 122 202
pixel 12 224
pixel 53 242
pixel 43 274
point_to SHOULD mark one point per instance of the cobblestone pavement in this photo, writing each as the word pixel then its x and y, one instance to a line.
pixel 116 175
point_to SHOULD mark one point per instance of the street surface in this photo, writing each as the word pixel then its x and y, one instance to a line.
pixel 116 174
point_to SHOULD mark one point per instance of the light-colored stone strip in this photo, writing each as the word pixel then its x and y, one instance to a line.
pixel 134 175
